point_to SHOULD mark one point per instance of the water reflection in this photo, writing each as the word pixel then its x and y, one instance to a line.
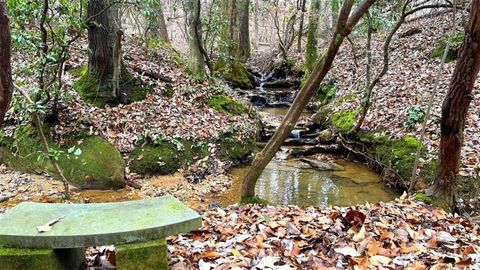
pixel 289 182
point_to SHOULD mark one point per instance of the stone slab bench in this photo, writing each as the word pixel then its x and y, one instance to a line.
pixel 137 229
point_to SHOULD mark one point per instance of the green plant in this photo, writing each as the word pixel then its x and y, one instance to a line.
pixel 415 115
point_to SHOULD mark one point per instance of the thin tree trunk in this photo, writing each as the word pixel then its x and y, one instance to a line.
pixel 255 26
pixel 244 30
pixel 455 108
pixel 6 84
pixel 300 27
pixel 343 28
pixel 196 62
pixel 369 50
pixel 162 26
pixel 311 51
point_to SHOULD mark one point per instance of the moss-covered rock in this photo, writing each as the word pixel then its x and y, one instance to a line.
pixel 452 54
pixel 233 148
pixel 344 121
pixel 99 93
pixel 92 162
pixel 165 157
pixel 234 72
pixel 326 92
pixel 41 259
pixel 226 104
pixel 398 153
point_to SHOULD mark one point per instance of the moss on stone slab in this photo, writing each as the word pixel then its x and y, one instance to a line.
pixel 97 164
pixel 38 259
pixel 227 104
pixel 344 121
pixel 150 255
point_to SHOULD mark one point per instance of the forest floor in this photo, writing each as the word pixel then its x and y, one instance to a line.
pixel 400 234
pixel 401 97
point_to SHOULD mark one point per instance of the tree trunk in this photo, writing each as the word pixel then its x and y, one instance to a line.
pixel 343 28
pixel 156 22
pixel 162 26
pixel 6 83
pixel 311 52
pixel 300 27
pixel 102 30
pixel 255 27
pixel 455 108
pixel 196 62
pixel 244 31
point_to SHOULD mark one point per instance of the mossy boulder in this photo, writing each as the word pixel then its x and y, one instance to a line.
pixel 398 153
pixel 326 92
pixel 227 104
pixel 233 148
pixel 86 162
pixel 344 121
pixel 234 72
pixel 99 93
pixel 165 157
pixel 453 51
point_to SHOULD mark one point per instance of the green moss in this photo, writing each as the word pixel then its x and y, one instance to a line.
pixel 143 256
pixel 99 165
pixel 39 259
pixel 468 188
pixel 432 200
pixel 232 148
pixel 326 92
pixel 226 104
pixel 166 157
pixel 152 159
pixel 100 93
pixel 400 154
pixel 348 97
pixel 452 54
pixel 96 165
pixel 234 72
pixel 344 121
pixel 255 200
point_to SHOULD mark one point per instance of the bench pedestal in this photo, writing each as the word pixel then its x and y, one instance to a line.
pixel 150 255
pixel 41 259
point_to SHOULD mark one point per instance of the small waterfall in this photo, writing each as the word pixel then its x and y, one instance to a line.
pixel 295 134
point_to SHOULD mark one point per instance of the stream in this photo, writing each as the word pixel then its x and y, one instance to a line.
pixel 290 181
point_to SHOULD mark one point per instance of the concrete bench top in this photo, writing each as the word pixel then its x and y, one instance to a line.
pixel 85 225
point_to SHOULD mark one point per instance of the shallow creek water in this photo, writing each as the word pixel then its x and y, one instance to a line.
pixel 294 182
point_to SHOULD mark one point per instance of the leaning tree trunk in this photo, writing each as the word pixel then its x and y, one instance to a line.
pixel 311 51
pixel 344 27
pixel 455 108
pixel 244 31
pixel 196 62
pixel 102 30
pixel 6 83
